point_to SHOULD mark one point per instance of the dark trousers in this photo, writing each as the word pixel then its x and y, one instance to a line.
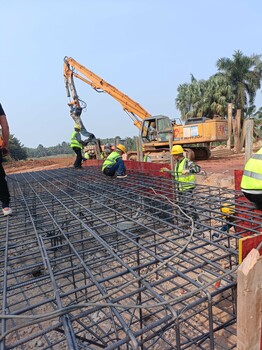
pixel 186 202
pixel 226 227
pixel 79 158
pixel 118 168
pixel 254 198
pixel 4 192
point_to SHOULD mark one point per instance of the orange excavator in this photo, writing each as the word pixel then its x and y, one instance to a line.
pixel 156 131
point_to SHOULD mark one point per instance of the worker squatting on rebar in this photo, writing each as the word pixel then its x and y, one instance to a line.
pixel 4 140
pixel 183 174
pixel 114 163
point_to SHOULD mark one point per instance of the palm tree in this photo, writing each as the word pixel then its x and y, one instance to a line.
pixel 244 75
pixel 217 96
pixel 204 98
pixel 189 98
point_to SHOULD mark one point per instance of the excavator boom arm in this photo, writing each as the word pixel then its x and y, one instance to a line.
pixel 133 108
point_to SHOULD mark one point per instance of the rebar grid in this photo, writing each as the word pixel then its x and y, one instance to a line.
pixel 90 262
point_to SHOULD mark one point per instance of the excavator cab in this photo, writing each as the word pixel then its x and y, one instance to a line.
pixel 156 129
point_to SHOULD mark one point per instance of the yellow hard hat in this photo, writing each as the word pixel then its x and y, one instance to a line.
pixel 121 147
pixel 227 208
pixel 77 126
pixel 177 149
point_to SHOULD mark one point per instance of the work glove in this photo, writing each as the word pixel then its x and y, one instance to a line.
pixel 185 172
pixel 163 170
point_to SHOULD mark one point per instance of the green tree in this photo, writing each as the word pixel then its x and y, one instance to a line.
pixel 216 97
pixel 41 151
pixel 244 75
pixel 257 123
pixel 189 98
pixel 237 82
pixel 204 98
pixel 16 149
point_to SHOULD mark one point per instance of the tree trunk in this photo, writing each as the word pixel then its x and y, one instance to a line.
pixel 249 139
pixel 229 119
pixel 170 139
pixel 243 134
pixel 236 129
pixel 139 149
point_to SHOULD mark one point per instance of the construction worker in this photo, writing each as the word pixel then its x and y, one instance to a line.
pixel 77 145
pixel 152 131
pixel 184 171
pixel 86 155
pixel 107 149
pixel 147 158
pixel 92 154
pixel 4 140
pixel 251 183
pixel 114 163
pixel 228 211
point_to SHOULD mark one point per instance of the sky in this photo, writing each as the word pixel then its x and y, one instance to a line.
pixel 145 48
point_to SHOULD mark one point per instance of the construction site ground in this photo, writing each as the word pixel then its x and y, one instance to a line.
pixel 219 168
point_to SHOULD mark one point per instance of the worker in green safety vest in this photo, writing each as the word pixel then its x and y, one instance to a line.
pixel 77 144
pixel 114 164
pixel 184 170
pixel 147 158
pixel 251 183
pixel 185 181
pixel 86 156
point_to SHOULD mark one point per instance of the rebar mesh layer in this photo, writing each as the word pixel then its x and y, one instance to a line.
pixel 90 262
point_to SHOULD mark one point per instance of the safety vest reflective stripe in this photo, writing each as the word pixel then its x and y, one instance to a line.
pixel 253 175
pixel 186 182
pixel 257 156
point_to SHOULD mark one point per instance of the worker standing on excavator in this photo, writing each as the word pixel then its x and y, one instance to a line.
pixel 77 145
pixel 184 177
pixel 114 163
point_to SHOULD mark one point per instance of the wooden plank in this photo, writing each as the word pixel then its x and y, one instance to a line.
pixel 249 302
pixel 246 244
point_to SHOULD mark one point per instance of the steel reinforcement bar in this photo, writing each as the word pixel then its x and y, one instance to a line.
pixel 91 262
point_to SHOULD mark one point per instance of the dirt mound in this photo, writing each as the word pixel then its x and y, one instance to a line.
pixel 22 166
